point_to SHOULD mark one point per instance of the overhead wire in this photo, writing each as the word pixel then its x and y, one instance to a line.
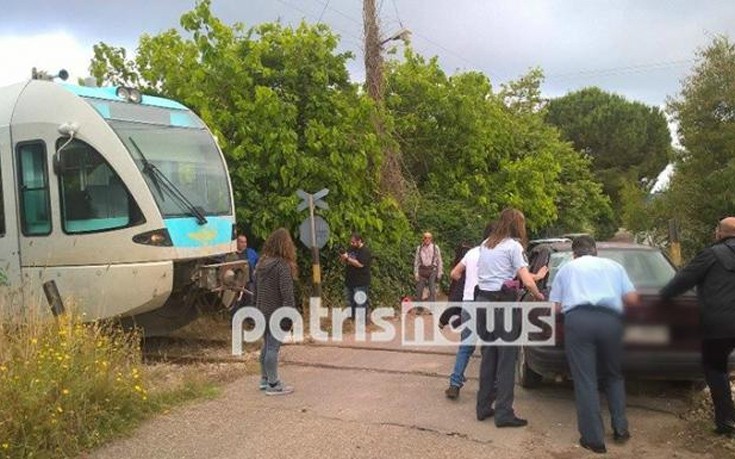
pixel 613 71
pixel 358 40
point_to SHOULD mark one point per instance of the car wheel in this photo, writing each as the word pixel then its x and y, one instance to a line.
pixel 527 378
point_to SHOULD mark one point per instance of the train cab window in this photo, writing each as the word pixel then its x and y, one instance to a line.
pixel 35 213
pixel 93 197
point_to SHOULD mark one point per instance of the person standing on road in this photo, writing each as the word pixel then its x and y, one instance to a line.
pixel 465 273
pixel 427 267
pixel 712 271
pixel 357 274
pixel 275 274
pixel 591 292
pixel 501 258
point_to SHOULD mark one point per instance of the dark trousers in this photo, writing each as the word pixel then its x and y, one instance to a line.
pixel 593 345
pixel 715 353
pixel 497 368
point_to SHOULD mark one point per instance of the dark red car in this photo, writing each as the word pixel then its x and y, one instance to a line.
pixel 661 339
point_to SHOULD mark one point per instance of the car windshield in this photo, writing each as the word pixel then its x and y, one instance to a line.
pixel 646 268
pixel 179 146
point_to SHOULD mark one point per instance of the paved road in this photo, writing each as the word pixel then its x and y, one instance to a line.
pixel 365 401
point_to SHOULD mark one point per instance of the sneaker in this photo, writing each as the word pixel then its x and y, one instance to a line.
pixel 278 389
pixel 452 392
pixel 263 384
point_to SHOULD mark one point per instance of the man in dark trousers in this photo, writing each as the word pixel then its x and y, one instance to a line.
pixel 712 271
pixel 357 274
pixel 591 292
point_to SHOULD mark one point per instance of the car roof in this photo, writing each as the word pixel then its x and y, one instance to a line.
pixel 564 246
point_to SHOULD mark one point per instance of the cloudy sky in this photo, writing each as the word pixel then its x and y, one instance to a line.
pixel 637 48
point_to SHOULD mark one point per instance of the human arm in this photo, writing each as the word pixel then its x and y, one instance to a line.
pixel 439 262
pixel 285 285
pixel 528 281
pixel 416 263
pixel 689 276
pixel 458 270
pixel 354 262
pixel 540 274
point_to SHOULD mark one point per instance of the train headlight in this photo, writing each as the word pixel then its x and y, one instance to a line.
pixel 123 93
pixel 135 96
pixel 158 238
pixel 129 94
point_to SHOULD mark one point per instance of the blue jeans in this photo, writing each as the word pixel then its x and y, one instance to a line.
pixel 464 352
pixel 269 358
pixel 354 303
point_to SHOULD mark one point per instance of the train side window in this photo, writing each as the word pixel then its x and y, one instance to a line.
pixel 35 210
pixel 93 198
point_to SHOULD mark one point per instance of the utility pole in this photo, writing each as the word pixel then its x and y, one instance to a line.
pixel 373 55
pixel 392 181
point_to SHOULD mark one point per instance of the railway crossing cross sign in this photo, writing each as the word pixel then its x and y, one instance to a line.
pixel 314 233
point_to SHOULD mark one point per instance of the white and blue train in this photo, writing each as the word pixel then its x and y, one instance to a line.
pixel 122 199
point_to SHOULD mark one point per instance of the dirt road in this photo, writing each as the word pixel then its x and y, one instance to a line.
pixel 363 401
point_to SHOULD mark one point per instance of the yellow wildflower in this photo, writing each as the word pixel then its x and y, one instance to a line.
pixel 65 391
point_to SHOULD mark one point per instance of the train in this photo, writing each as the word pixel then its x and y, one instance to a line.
pixel 119 200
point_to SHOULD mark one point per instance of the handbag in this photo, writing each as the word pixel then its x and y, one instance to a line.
pixel 425 271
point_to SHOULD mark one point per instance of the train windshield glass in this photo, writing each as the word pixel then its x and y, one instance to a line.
pixel 182 150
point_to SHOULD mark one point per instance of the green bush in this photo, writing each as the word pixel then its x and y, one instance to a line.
pixel 66 385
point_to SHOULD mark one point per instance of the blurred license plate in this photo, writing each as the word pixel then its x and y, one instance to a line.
pixel 647 334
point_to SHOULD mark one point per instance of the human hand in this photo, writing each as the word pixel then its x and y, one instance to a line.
pixel 539 296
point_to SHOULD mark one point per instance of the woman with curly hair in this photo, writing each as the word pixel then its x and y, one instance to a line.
pixel 274 275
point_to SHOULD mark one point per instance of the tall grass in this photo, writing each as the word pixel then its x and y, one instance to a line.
pixel 66 385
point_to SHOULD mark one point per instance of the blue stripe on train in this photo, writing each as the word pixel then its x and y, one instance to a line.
pixel 186 232
pixel 109 93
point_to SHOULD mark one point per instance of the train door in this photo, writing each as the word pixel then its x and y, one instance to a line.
pixel 10 279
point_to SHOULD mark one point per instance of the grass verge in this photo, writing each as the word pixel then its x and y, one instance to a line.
pixel 67 386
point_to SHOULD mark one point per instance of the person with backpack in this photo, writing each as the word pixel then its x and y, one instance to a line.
pixel 712 271
pixel 427 267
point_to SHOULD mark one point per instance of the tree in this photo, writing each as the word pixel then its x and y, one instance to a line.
pixel 627 141
pixel 465 145
pixel 286 116
pixel 701 190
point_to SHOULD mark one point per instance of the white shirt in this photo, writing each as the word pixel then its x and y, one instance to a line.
pixel 469 261
pixel 499 264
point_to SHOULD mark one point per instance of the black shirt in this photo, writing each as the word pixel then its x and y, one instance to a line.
pixel 359 277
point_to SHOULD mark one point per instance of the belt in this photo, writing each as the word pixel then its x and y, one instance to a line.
pixel 595 308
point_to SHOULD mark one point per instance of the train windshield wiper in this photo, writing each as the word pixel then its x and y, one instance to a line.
pixel 160 181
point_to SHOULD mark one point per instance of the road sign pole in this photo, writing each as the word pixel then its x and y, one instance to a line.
pixel 316 271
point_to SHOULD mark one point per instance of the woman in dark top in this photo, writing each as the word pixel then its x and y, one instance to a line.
pixel 275 274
